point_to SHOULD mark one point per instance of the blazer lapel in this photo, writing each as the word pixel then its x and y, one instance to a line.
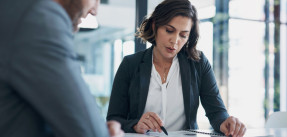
pixel 145 74
pixel 186 86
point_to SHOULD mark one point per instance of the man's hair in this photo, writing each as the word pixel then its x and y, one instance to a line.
pixel 163 14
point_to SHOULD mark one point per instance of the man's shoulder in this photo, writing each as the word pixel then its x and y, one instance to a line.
pixel 17 14
pixel 49 8
pixel 9 8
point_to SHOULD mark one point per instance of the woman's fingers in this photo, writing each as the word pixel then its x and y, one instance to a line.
pixel 156 118
pixel 155 124
pixel 149 121
pixel 142 128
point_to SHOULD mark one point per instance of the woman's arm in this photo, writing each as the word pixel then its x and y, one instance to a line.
pixel 119 101
pixel 210 96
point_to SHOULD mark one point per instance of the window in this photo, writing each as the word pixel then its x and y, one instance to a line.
pixel 244 42
pixel 101 44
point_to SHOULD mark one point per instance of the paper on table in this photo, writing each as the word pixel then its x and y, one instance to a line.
pixel 170 134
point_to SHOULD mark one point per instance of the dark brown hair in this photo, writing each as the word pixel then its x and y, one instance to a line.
pixel 163 14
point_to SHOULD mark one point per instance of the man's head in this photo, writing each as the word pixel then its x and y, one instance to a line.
pixel 78 9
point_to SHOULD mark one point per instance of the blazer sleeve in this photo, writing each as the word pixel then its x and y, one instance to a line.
pixel 210 96
pixel 45 74
pixel 119 101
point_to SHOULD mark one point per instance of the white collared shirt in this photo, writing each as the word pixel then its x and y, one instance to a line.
pixel 166 99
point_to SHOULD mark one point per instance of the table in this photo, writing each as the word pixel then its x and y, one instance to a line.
pixel 260 132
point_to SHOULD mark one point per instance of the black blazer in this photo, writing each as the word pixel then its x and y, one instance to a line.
pixel 131 85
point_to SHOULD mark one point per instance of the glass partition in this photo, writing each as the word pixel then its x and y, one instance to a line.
pixel 101 44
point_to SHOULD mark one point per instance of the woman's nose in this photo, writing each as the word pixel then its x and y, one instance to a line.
pixel 174 39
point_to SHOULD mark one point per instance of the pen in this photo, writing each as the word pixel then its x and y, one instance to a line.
pixel 164 130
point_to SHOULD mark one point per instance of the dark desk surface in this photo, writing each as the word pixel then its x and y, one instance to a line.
pixel 260 132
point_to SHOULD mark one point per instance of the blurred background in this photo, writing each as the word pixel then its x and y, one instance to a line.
pixel 244 40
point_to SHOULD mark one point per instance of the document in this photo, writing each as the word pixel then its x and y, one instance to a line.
pixel 174 134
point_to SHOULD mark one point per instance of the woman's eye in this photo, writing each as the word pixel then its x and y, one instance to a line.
pixel 183 36
pixel 169 31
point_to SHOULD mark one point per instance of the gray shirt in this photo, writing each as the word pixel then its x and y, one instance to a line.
pixel 40 81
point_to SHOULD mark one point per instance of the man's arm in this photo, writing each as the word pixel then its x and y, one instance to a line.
pixel 44 72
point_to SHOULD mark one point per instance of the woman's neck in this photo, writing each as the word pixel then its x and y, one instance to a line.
pixel 160 60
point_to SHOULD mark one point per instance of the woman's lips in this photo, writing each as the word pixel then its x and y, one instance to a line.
pixel 170 50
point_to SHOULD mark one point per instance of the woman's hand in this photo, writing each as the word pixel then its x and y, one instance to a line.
pixel 148 121
pixel 114 128
pixel 232 126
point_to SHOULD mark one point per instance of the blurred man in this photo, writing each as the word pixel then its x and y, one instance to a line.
pixel 42 93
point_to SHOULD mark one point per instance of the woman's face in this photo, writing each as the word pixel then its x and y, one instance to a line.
pixel 171 37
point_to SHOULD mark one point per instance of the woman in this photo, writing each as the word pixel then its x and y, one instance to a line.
pixel 162 85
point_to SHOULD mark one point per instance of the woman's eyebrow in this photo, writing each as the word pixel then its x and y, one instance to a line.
pixel 175 28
